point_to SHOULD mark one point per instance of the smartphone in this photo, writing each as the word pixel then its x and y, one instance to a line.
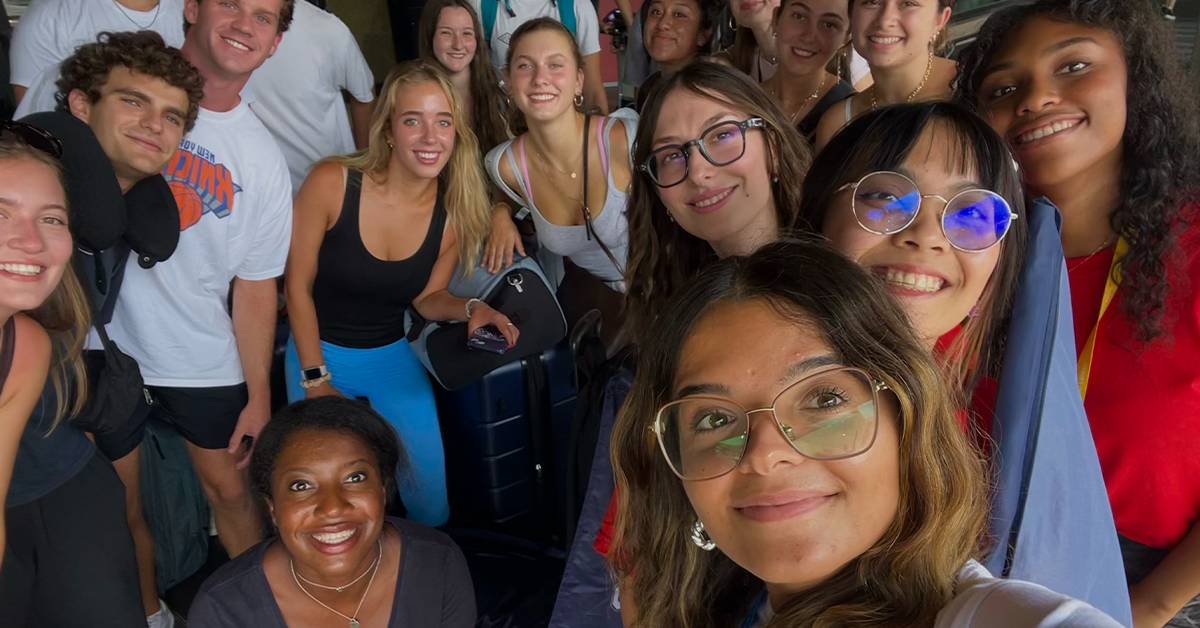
pixel 488 338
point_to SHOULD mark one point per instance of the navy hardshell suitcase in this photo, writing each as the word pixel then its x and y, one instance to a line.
pixel 506 439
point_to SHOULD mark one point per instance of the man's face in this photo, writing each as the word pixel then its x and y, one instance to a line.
pixel 232 37
pixel 139 120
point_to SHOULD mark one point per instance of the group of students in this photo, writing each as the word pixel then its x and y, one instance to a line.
pixel 869 333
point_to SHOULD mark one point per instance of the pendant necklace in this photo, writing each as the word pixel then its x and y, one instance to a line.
pixel 125 12
pixel 804 103
pixel 353 619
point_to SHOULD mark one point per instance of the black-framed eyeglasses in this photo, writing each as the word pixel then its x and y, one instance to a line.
pixel 830 415
pixel 887 202
pixel 34 137
pixel 721 144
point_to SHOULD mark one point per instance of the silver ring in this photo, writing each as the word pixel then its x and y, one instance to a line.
pixel 511 325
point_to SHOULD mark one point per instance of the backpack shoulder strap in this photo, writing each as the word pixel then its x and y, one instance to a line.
pixel 566 14
pixel 488 8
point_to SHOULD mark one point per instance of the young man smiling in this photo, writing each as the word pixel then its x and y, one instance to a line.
pixel 208 366
pixel 139 96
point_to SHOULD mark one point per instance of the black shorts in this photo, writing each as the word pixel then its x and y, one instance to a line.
pixel 207 417
pixel 69 558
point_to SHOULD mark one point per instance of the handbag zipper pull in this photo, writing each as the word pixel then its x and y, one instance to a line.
pixel 515 281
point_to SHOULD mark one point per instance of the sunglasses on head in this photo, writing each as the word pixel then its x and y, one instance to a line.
pixel 888 202
pixel 33 137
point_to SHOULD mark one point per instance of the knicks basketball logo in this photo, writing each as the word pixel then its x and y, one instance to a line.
pixel 200 185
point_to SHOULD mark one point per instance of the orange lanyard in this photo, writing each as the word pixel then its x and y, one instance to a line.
pixel 1110 290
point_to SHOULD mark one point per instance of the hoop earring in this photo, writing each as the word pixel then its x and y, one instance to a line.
pixel 700 537
pixel 578 100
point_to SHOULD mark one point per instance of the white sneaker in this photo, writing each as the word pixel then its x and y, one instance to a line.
pixel 164 618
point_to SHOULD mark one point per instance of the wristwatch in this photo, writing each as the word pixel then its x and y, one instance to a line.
pixel 313 377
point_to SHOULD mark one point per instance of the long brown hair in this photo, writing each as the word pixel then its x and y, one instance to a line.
pixel 662 256
pixel 65 314
pixel 466 194
pixel 487 100
pixel 882 140
pixel 907 577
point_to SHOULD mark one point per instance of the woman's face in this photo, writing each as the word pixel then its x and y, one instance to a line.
pixel 422 129
pixel 788 520
pixel 1056 92
pixel 543 76
pixel 753 14
pixel 890 33
pixel 937 284
pixel 718 204
pixel 810 32
pixel 328 503
pixel 673 34
pixel 454 40
pixel 35 243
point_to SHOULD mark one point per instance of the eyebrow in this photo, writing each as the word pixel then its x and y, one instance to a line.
pixel 967 184
pixel 810 363
pixel 662 141
pixel 345 466
pixel 1047 51
pixel 704 389
pixel 135 93
pixel 12 203
pixel 414 112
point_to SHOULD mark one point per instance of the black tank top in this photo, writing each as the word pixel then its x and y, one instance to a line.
pixel 361 299
pixel 6 350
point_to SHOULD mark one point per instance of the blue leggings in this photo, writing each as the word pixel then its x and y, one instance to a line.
pixel 394 381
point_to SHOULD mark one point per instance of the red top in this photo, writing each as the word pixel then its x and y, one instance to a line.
pixel 1143 401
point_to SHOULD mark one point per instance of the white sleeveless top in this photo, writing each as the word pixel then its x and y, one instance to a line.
pixel 983 601
pixel 610 223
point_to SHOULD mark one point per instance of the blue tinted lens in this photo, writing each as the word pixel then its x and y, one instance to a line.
pixel 886 202
pixel 976 220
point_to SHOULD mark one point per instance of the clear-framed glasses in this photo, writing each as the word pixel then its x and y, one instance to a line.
pixel 973 220
pixel 829 415
pixel 721 144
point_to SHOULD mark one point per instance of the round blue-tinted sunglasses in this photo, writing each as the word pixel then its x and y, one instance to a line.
pixel 888 202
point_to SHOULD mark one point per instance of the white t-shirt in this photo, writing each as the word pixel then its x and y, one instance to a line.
pixel 39 96
pixel 298 91
pixel 587 25
pixel 235 207
pixel 983 601
pixel 51 30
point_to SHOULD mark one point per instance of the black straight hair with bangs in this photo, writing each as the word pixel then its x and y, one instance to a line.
pixel 883 140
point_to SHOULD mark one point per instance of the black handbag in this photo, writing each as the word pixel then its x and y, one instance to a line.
pixel 520 292
pixel 114 387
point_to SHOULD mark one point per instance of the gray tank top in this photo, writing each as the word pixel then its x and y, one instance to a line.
pixel 610 223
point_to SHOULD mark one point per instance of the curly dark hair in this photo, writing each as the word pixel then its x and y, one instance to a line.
pixel 1160 167
pixel 143 52
pixel 330 414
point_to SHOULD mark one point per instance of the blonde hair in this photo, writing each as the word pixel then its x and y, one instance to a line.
pixel 466 194
pixel 65 314
pixel 908 575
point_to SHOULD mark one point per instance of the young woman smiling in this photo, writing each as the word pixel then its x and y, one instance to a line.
pixel 375 233
pixel 721 171
pixel 570 170
pixel 676 32
pixel 1105 124
pixel 325 469
pixel 812 472
pixel 449 32
pixel 899 39
pixel 810 33
pixel 927 197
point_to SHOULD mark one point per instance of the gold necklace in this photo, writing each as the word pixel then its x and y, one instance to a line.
pixel 924 79
pixel 796 113
pixel 562 189
pixel 353 619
